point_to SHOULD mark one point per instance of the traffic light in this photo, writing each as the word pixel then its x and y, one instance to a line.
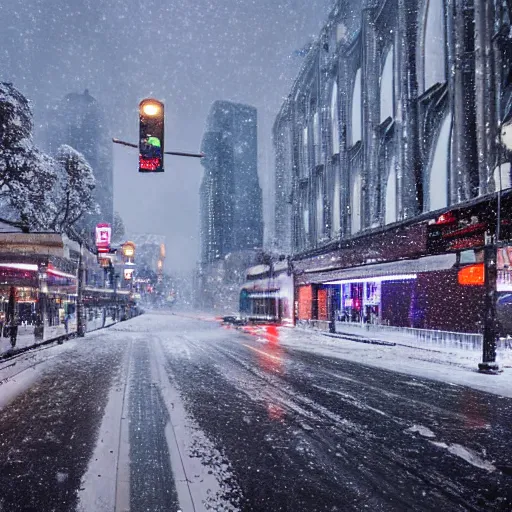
pixel 151 136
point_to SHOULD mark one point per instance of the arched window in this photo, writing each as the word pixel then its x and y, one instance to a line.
pixel 336 204
pixel 502 182
pixel 316 138
pixel 355 204
pixel 305 219
pixel 387 92
pixel 357 124
pixel 434 64
pixel 391 194
pixel 335 120
pixel 305 151
pixel 439 170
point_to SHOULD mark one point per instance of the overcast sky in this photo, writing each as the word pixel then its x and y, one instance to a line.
pixel 188 53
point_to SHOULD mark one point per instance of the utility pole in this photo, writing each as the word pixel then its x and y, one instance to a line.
pixel 486 81
pixel 489 364
pixel 80 316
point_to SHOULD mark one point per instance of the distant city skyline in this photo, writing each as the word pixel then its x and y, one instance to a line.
pixel 231 198
pixel 188 54
pixel 78 121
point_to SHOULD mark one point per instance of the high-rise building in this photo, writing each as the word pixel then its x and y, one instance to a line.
pixel 78 121
pixel 231 199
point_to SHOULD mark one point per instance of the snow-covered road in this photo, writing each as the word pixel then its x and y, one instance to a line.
pixel 167 413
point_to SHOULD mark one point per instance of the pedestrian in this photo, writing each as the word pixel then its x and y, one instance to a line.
pixel 66 322
pixel 13 331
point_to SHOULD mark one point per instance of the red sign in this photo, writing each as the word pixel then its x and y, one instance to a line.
pixel 103 236
pixel 472 275
pixel 149 164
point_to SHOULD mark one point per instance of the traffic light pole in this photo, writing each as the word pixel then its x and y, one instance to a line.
pixel 175 153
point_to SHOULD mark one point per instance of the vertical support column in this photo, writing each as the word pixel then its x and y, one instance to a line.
pixel 80 313
pixel 464 168
pixel 370 74
pixel 485 92
pixel 330 310
pixel 345 93
pixel 42 303
pixel 411 192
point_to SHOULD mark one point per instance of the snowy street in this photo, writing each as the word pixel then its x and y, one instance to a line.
pixel 168 413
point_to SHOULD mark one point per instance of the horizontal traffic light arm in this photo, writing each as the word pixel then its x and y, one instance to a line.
pixel 123 143
pixel 175 153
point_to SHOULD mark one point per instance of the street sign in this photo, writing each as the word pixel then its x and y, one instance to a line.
pixel 151 135
pixel 128 251
pixel 103 237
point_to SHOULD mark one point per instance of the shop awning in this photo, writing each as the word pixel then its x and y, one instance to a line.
pixel 398 268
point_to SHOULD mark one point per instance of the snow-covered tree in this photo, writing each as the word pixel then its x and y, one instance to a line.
pixel 118 231
pixel 27 176
pixel 77 183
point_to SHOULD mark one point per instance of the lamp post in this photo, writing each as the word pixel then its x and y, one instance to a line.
pixel 490 335
pixel 80 312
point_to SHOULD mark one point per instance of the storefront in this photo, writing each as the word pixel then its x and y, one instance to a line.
pixel 373 300
pixel 267 296
pixel 420 293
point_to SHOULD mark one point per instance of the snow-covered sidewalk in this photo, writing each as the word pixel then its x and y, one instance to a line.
pixel 447 364
pixel 457 366
pixel 24 339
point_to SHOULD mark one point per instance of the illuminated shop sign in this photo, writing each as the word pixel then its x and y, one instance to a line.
pixel 372 293
pixel 444 236
pixel 381 279
pixel 460 230
pixel 105 260
pixel 504 278
pixel 103 237
pixel 472 275
pixel 128 250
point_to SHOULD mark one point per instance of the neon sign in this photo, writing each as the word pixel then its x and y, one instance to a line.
pixel 103 237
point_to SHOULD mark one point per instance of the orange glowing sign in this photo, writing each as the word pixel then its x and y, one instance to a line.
pixel 129 249
pixel 472 275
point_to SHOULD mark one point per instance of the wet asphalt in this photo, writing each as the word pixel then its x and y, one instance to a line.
pixel 285 430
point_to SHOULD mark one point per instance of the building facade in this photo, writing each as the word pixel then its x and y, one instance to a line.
pixel 393 121
pixel 78 122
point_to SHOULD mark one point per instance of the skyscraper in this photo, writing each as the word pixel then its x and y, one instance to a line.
pixel 78 121
pixel 231 199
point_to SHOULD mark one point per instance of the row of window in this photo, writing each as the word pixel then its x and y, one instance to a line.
pixel 321 135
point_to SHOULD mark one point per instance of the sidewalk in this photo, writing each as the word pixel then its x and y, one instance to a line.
pixel 24 339
pixel 456 366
